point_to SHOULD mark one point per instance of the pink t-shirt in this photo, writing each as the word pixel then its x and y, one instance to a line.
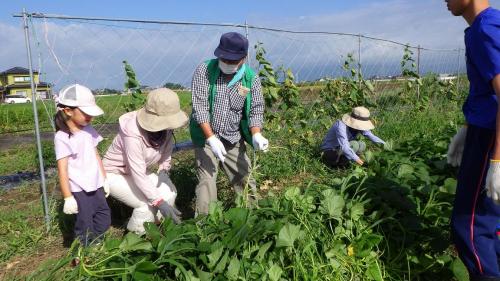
pixel 83 167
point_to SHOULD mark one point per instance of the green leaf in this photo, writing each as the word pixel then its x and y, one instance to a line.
pixel 331 255
pixel 262 251
pixel 357 210
pixel 459 270
pixel 152 232
pixel 133 242
pixel 274 272
pixel 203 275
pixel 287 235
pixel 141 276
pixel 405 170
pixel 292 193
pixel 222 263
pixel 369 85
pixel 449 186
pixel 144 270
pixel 388 145
pixel 111 244
pixel 373 272
pixel 368 156
pixel 214 257
pixel 237 216
pixel 333 206
pixel 233 269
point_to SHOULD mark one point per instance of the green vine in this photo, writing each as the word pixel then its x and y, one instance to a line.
pixel 132 86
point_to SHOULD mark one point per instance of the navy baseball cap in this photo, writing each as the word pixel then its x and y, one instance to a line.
pixel 232 46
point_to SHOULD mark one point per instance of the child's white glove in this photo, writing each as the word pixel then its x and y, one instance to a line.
pixel 70 205
pixel 493 182
pixel 259 142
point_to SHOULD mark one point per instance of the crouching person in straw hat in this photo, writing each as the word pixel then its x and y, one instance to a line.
pixel 145 139
pixel 340 145
pixel 228 109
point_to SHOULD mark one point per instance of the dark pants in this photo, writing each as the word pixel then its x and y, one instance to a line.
pixel 475 216
pixel 334 158
pixel 93 217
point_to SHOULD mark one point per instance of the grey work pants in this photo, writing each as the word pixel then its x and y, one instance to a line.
pixel 236 167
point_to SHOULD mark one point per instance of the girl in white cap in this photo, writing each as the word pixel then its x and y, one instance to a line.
pixel 340 145
pixel 144 140
pixel 81 173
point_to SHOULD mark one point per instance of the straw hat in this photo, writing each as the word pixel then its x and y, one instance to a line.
pixel 358 119
pixel 162 111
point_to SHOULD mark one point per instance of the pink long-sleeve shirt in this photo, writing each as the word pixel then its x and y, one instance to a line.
pixel 131 154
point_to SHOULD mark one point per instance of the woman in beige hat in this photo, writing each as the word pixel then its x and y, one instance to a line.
pixel 145 139
pixel 340 145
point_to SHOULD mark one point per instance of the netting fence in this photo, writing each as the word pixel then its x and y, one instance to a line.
pixel 90 51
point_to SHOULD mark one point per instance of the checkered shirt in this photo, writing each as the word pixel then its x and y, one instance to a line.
pixel 228 104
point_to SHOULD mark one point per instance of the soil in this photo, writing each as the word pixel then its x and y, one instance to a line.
pixel 6 140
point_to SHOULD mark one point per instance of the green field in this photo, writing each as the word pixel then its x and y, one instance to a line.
pixel 19 117
pixel 388 220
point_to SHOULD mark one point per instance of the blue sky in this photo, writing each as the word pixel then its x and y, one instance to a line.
pixel 76 51
pixel 187 10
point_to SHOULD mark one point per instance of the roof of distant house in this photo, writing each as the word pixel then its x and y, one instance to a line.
pixel 17 70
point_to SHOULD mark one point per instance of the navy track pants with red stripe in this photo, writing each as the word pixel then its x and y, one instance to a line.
pixel 475 216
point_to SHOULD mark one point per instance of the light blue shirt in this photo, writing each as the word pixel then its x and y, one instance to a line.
pixel 340 135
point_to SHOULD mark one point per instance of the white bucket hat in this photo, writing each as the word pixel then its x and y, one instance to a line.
pixel 76 95
pixel 358 119
pixel 162 111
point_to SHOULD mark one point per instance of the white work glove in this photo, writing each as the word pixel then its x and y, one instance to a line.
pixel 70 205
pixel 105 187
pixel 217 147
pixel 493 182
pixel 456 148
pixel 259 142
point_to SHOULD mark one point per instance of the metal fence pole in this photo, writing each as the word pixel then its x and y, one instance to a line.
pixel 35 115
pixel 459 52
pixel 359 60
pixel 418 70
pixel 246 35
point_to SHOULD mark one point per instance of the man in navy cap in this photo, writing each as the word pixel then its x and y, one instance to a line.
pixel 228 109
pixel 476 146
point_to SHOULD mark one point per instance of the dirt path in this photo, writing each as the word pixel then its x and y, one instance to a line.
pixel 9 140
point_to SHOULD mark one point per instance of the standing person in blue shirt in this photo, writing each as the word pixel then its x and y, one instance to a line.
pixel 476 146
pixel 340 145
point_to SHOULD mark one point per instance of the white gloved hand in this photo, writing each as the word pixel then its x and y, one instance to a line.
pixel 217 147
pixel 456 148
pixel 70 205
pixel 105 187
pixel 259 142
pixel 493 182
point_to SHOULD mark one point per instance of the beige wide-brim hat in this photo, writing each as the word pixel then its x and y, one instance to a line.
pixel 358 119
pixel 162 111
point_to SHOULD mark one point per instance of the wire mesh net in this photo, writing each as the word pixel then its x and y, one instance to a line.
pixel 91 53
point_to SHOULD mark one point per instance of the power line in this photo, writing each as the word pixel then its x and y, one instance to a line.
pixel 101 19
